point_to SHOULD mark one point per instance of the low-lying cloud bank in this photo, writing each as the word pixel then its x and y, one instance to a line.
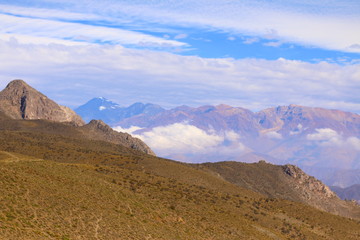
pixel 189 143
pixel 327 137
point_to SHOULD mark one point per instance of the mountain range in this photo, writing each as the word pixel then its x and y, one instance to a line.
pixel 64 181
pixel 111 113
pixel 323 142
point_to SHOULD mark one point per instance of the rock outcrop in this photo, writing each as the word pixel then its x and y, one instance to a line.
pixel 309 186
pixel 98 130
pixel 20 101
pixel 286 182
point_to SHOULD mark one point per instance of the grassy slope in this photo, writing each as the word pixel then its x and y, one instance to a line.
pixel 51 200
pixel 96 190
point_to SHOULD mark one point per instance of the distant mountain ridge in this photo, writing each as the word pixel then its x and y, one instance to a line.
pixel 309 137
pixel 111 113
pixel 349 193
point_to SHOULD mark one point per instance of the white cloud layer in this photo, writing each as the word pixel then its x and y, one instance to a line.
pixel 197 145
pixel 35 30
pixel 181 138
pixel 330 138
pixel 72 75
pixel 129 130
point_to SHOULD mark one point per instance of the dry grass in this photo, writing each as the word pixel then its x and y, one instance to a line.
pixel 95 190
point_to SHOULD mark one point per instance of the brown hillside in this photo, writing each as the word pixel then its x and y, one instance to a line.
pixel 56 185
pixel 81 189
pixel 285 182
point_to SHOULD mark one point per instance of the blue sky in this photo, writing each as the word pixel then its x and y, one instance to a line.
pixel 254 54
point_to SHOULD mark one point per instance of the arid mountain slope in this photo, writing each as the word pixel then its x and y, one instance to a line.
pixel 98 130
pixel 47 140
pixel 286 182
pixel 94 130
pixel 59 187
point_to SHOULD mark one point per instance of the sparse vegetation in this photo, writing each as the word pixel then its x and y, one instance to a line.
pixel 56 185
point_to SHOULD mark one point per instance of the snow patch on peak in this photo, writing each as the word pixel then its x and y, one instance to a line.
pixel 102 108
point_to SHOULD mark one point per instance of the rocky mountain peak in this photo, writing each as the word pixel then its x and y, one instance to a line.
pixel 17 83
pixel 99 130
pixel 99 124
pixel 20 101
pixel 312 186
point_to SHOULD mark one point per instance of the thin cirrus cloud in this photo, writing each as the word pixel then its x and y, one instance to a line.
pixel 312 24
pixel 41 30
pixel 327 24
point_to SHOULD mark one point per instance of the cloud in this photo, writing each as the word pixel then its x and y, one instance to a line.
pixel 315 24
pixel 356 46
pixel 327 137
pixel 274 135
pixel 297 130
pixel 47 13
pixel 273 44
pixel 72 75
pixel 35 30
pixel 181 138
pixel 327 25
pixel 130 130
pixel 181 36
pixel 193 143
pixel 251 40
pixel 354 142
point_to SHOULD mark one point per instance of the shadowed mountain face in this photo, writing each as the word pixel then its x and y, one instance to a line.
pixel 20 101
pixel 323 142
